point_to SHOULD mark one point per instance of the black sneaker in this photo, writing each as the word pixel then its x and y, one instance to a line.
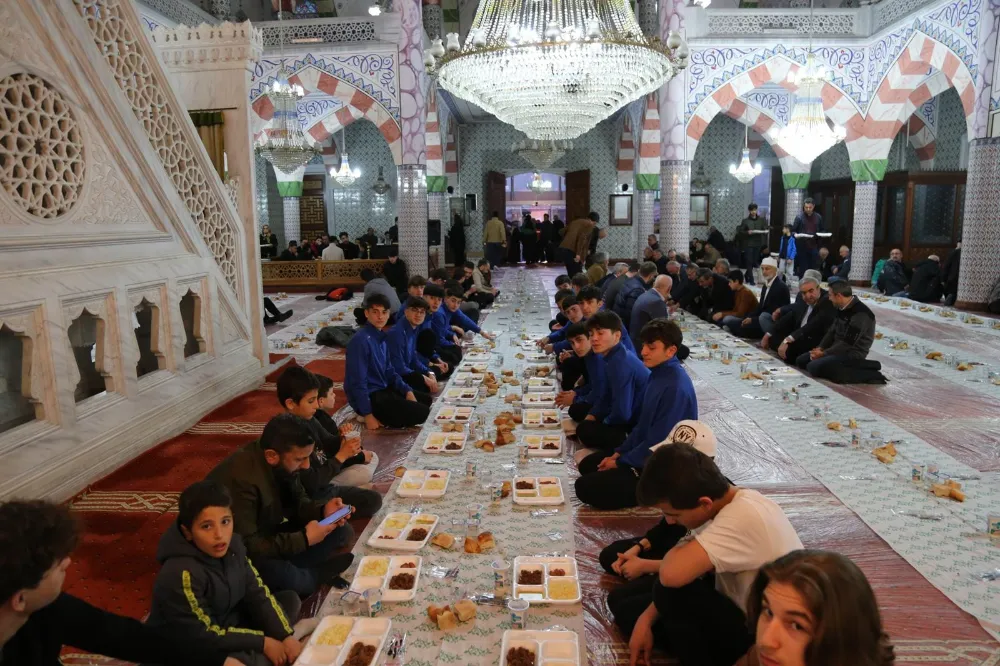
pixel 285 315
pixel 330 572
pixel 269 320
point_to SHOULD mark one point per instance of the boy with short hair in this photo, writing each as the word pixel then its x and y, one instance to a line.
pixel 580 399
pixel 374 388
pixel 616 410
pixel 460 322
pixel 402 343
pixel 328 472
pixel 579 281
pixel 277 521
pixel 208 591
pixel 359 469
pixel 446 342
pixel 415 287
pixel 702 619
pixel 744 302
pixel 609 481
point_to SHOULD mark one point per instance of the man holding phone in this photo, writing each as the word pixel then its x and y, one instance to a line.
pixel 291 539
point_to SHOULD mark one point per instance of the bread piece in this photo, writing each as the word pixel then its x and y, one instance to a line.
pixel 513 397
pixel 957 495
pixel 465 610
pixel 489 447
pixel 951 483
pixel 472 546
pixel 964 366
pixel 941 490
pixel 444 540
pixel 447 621
pixel 878 336
pixel 433 612
pixel 486 541
pixel 481 443
pixel 505 437
pixel 400 471
pixel 852 424
pixel 833 425
pixel 934 356
pixel 517 418
pixel 505 489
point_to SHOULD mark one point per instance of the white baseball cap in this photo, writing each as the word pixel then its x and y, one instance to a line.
pixel 769 261
pixel 697 434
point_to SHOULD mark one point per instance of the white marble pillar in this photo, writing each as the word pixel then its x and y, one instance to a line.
pixel 794 196
pixel 411 206
pixel 675 204
pixel 863 236
pixel 645 201
pixel 979 270
pixel 291 224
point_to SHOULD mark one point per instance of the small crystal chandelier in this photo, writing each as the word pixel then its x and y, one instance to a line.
pixel 554 69
pixel 538 185
pixel 381 187
pixel 283 144
pixel 345 176
pixel 541 154
pixel 700 182
pixel 808 133
pixel 745 172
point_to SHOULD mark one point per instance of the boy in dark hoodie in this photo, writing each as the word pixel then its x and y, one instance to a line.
pixel 208 592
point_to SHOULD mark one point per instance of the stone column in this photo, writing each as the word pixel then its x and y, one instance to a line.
pixel 645 200
pixel 649 20
pixel 978 270
pixel 675 204
pixel 794 196
pixel 290 189
pixel 863 237
pixel 433 18
pixel 411 205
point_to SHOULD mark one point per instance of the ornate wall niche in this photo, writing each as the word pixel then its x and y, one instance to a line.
pixel 191 296
pixel 93 337
pixel 21 366
pixel 151 328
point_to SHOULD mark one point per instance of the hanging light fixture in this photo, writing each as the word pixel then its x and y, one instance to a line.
pixel 381 187
pixel 541 154
pixel 283 144
pixel 700 182
pixel 809 133
pixel 745 172
pixel 554 68
pixel 538 185
pixel 345 176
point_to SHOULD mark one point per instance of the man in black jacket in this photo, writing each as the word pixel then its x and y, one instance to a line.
pixel 719 296
pixel 802 328
pixel 37 618
pixel 895 275
pixel 847 341
pixel 394 271
pixel 950 274
pixel 925 283
pixel 773 295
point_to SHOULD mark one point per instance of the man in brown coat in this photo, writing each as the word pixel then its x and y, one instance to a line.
pixel 576 243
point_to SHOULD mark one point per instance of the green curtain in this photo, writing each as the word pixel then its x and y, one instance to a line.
pixel 210 129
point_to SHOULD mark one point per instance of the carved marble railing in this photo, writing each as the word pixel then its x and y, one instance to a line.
pixel 754 22
pixel 890 11
pixel 384 28
pixel 181 12
pixel 325 274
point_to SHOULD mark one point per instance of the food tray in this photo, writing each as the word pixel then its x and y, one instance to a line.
pixel 473 368
pixel 539 594
pixel 454 414
pixel 371 631
pixel 537 358
pixel 437 442
pixel 461 396
pixel 391 566
pixel 415 483
pixel 540 384
pixel 539 399
pixel 468 378
pixel 477 357
pixel 396 536
pixel 535 497
pixel 537 442
pixel 551 648
pixel 541 418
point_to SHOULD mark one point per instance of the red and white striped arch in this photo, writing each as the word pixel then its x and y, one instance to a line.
pixel 626 154
pixel 924 142
pixel 838 106
pixel 905 87
pixel 356 105
pixel 764 128
pixel 451 155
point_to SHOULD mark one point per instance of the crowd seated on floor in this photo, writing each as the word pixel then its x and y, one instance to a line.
pixel 723 574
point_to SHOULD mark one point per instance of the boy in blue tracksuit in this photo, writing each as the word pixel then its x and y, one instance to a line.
pixel 446 341
pixel 609 481
pixel 786 251
pixel 579 399
pixel 374 388
pixel 402 343
pixel 615 410
pixel 459 320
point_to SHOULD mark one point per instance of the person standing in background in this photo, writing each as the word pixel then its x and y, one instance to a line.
pixel 495 239
pixel 529 240
pixel 752 225
pixel 268 243
pixel 456 239
pixel 514 244
pixel 576 242
pixel 809 223
pixel 545 248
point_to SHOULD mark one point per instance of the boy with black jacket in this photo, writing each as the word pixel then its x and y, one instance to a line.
pixel 208 591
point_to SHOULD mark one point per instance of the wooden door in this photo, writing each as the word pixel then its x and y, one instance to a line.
pixel 578 195
pixel 496 195
pixel 312 208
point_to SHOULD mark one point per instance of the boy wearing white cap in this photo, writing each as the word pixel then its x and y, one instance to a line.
pixel 773 295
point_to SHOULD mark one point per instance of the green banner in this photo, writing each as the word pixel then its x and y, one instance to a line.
pixel 868 170
pixel 647 181
pixel 437 184
pixel 290 188
pixel 795 181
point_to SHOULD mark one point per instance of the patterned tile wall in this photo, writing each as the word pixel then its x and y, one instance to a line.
pixel 486 147
pixel 832 164
pixel 951 132
pixel 981 231
pixel 909 161
pixel 357 207
pixel 719 147
pixel 863 243
pixel 260 184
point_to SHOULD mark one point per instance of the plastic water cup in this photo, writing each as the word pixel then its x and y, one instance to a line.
pixel 518 613
pixel 373 601
pixel 475 511
pixel 993 525
pixel 501 578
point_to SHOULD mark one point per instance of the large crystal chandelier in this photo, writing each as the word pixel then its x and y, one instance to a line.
pixel 345 175
pixel 283 144
pixel 541 154
pixel 538 185
pixel 745 172
pixel 554 68
pixel 808 133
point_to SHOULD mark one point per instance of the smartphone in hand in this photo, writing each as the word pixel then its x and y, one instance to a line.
pixel 336 515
